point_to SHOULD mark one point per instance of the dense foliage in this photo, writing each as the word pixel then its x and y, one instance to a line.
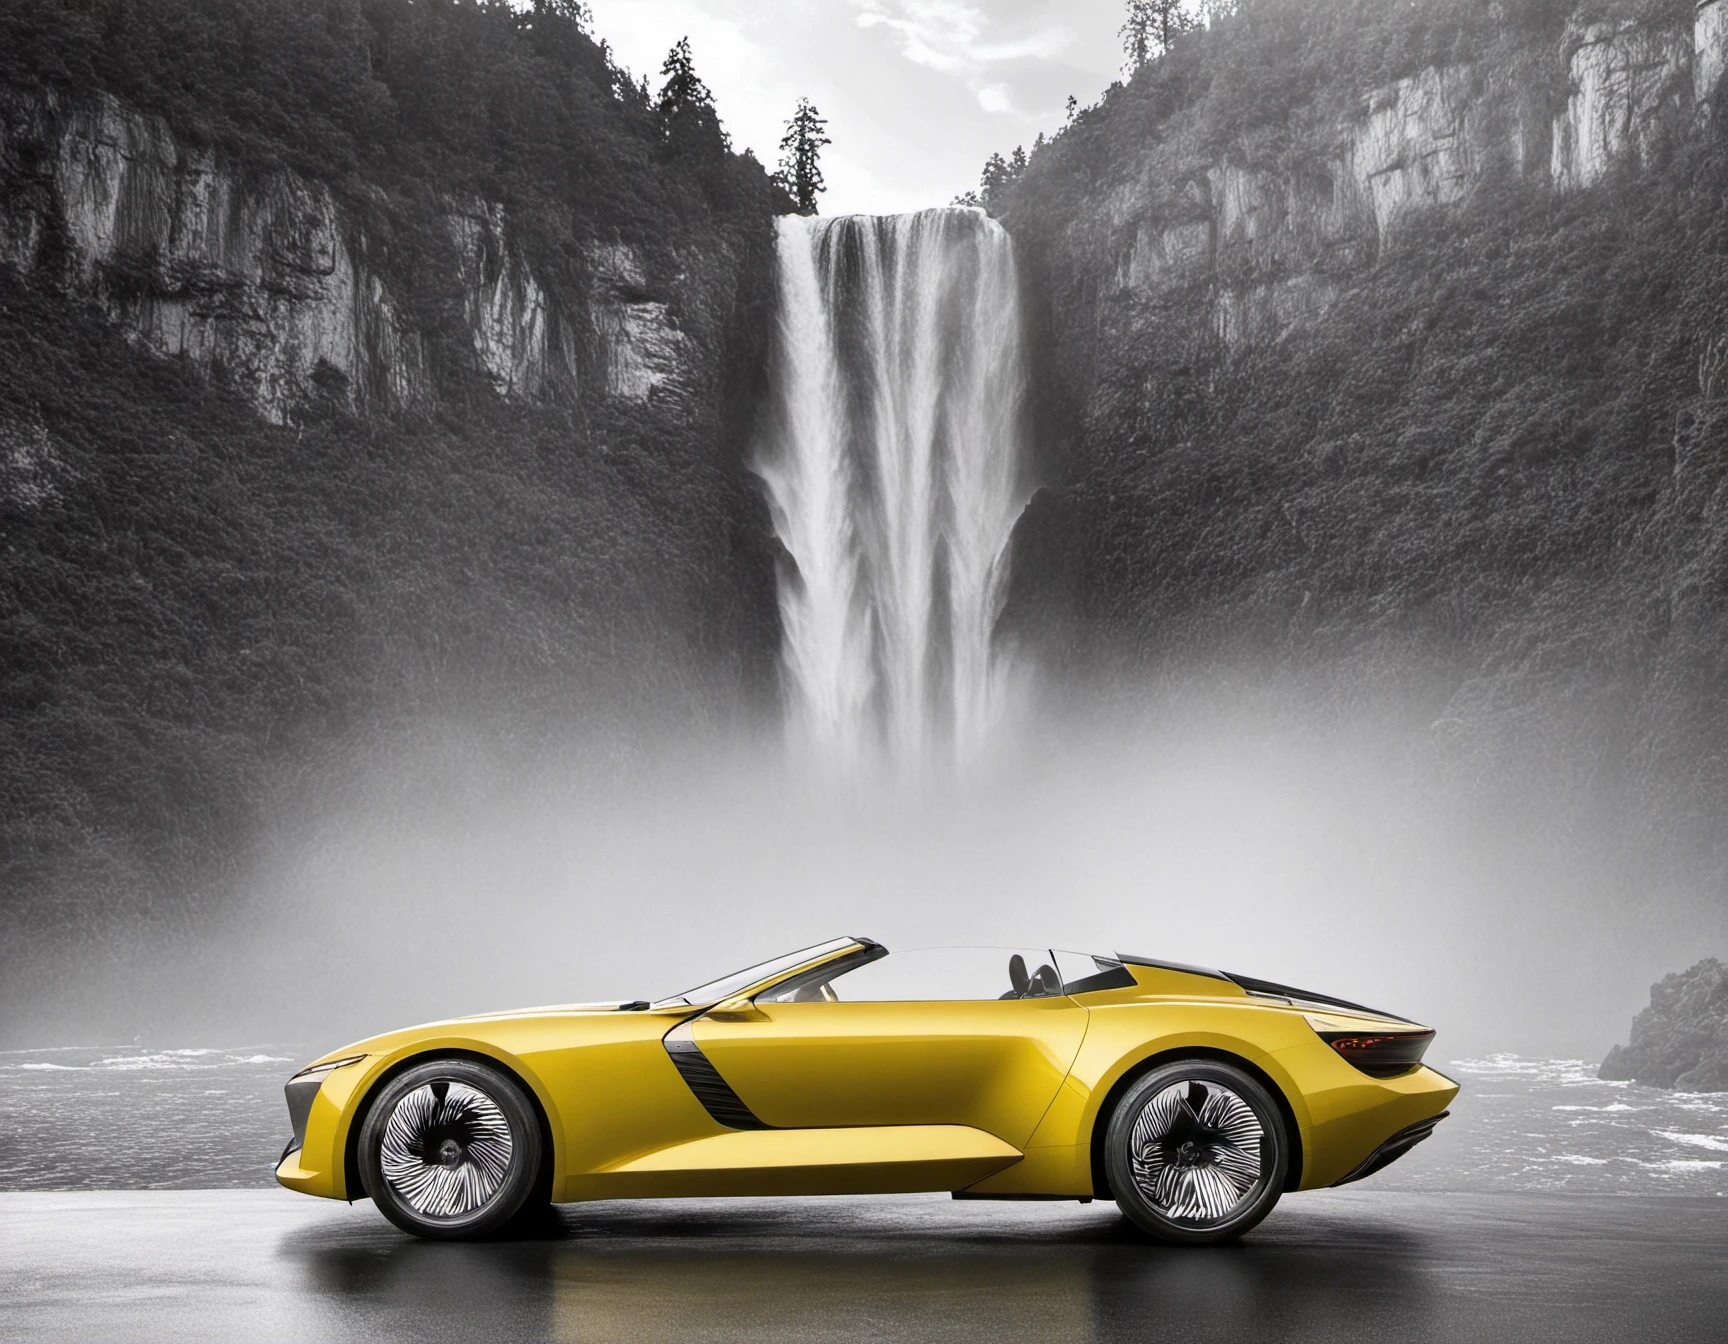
pixel 1499 455
pixel 1266 74
pixel 517 104
pixel 403 105
pixel 194 604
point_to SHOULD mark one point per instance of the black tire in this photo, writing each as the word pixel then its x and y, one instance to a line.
pixel 1196 1152
pixel 451 1150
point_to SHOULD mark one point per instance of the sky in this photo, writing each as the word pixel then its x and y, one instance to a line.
pixel 918 93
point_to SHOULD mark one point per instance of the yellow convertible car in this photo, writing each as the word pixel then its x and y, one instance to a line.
pixel 1191 1097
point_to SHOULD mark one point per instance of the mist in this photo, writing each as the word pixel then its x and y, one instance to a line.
pixel 1227 821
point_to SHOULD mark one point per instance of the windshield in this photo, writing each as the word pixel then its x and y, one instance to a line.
pixel 728 985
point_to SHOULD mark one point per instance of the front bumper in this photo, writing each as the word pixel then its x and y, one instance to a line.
pixel 318 1109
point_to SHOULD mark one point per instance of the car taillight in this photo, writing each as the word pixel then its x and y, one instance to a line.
pixel 1380 1054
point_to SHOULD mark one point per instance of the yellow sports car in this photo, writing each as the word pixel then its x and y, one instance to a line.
pixel 1191 1097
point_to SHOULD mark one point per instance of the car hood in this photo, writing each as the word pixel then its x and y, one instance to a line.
pixel 610 1006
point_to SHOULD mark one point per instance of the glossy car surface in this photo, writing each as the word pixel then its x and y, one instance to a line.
pixel 843 1069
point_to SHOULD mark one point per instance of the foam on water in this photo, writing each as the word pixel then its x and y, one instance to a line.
pixel 1552 1124
pixel 186 1118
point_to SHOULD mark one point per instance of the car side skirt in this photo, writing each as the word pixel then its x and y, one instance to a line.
pixel 878 1159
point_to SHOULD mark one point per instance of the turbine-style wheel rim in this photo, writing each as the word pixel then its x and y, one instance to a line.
pixel 1196 1152
pixel 446 1150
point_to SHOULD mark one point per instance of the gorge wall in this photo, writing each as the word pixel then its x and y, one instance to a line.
pixel 361 367
pixel 1383 345
pixel 1274 216
pixel 260 277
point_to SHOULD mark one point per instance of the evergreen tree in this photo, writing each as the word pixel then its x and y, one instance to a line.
pixel 574 10
pixel 999 174
pixel 800 157
pixel 1151 27
pixel 686 107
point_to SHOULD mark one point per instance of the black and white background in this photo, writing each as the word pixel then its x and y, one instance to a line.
pixel 515 503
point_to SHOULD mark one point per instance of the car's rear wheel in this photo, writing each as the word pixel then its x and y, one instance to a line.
pixel 451 1149
pixel 1196 1152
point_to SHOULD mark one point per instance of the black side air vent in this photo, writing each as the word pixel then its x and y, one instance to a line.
pixel 702 1078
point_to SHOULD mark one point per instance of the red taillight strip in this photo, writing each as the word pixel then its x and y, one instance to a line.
pixel 1380 1054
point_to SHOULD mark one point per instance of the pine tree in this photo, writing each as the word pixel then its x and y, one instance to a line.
pixel 686 107
pixel 1152 27
pixel 800 172
pixel 574 10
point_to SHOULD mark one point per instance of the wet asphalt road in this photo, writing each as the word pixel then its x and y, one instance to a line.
pixel 1336 1266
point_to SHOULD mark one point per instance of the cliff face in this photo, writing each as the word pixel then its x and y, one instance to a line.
pixel 1382 345
pixel 361 367
pixel 1273 222
pixel 261 277
pixel 1681 1039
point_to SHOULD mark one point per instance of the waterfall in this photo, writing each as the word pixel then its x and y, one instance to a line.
pixel 894 467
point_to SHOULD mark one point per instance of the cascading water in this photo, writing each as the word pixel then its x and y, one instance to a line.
pixel 895 473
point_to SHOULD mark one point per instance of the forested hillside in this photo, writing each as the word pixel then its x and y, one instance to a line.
pixel 1387 341
pixel 361 361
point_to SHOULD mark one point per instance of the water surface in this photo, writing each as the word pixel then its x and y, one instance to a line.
pixel 139 1118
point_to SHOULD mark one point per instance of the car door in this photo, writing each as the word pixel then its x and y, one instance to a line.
pixel 940 1036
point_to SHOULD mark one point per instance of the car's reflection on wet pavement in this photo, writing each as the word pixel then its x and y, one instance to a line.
pixel 1339 1266
pixel 886 1270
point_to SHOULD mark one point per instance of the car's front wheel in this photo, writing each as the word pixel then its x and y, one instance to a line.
pixel 1196 1152
pixel 451 1149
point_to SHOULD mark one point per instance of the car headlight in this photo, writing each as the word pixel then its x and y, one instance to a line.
pixel 321 1071
pixel 302 1088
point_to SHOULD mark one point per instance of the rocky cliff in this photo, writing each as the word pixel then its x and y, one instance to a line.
pixel 1380 346
pixel 1681 1039
pixel 1272 219
pixel 361 366
pixel 261 277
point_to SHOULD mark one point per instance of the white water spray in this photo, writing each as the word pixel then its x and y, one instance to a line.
pixel 895 474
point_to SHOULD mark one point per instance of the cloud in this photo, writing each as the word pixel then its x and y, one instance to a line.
pixel 956 38
pixel 935 33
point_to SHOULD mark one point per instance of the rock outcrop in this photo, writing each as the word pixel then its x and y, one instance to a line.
pixel 1630 84
pixel 1709 50
pixel 1681 1039
pixel 264 278
pixel 1273 223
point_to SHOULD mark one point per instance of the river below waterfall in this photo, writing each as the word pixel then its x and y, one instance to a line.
pixel 140 1118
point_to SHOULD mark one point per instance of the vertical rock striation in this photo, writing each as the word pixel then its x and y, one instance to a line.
pixel 1709 50
pixel 265 279
pixel 1630 85
pixel 1272 222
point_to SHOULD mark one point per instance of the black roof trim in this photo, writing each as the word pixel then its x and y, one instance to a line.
pixel 1274 990
pixel 1172 966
